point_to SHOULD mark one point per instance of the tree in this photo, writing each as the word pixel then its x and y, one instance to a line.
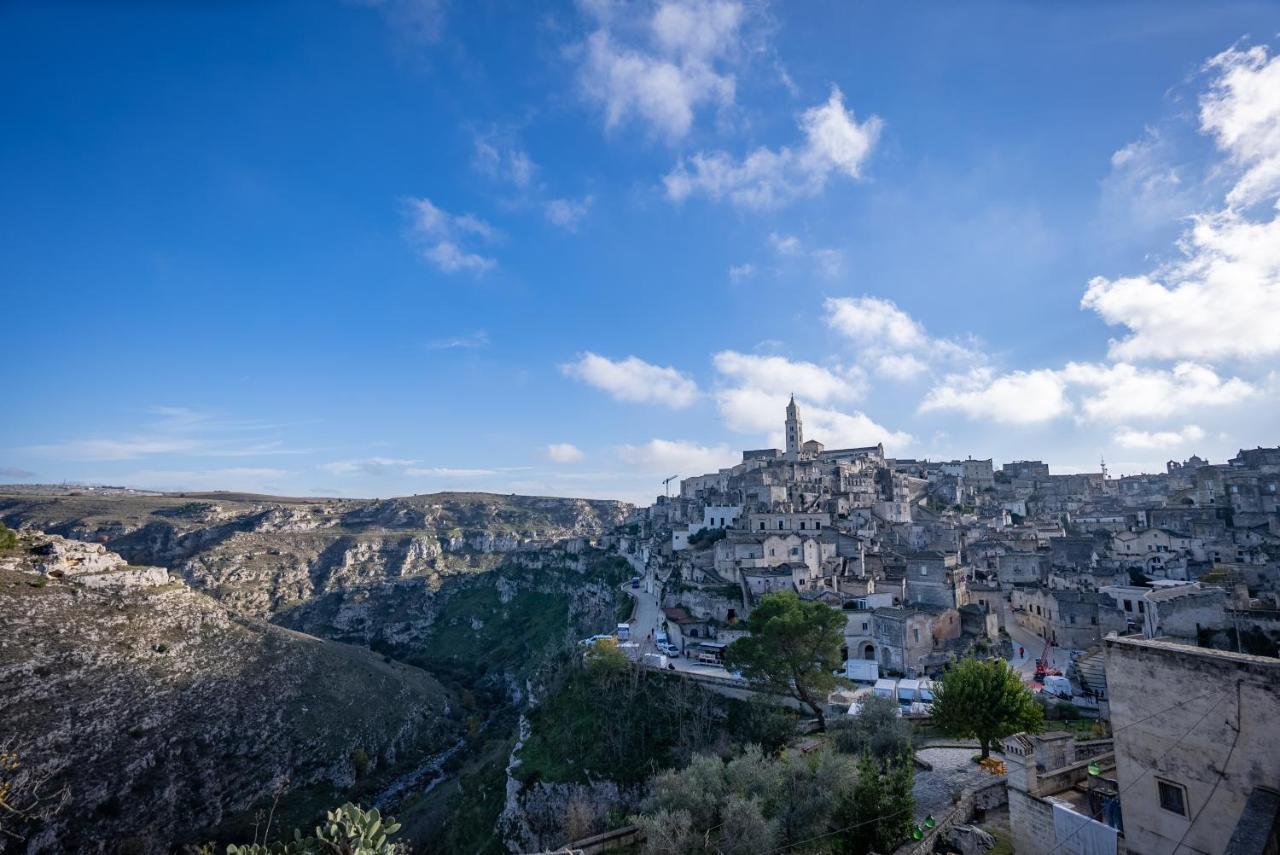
pixel 8 537
pixel 878 729
pixel 985 700
pixel 793 647
pixel 878 812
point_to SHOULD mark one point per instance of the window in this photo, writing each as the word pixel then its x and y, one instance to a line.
pixel 1173 797
pixel 916 632
pixel 802 525
pixel 762 525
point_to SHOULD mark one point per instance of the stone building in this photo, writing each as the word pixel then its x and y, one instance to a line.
pixel 1197 754
pixel 1055 803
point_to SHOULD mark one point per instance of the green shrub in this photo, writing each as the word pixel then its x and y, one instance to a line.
pixel 346 830
pixel 8 537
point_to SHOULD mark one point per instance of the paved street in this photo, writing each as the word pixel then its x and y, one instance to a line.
pixel 647 619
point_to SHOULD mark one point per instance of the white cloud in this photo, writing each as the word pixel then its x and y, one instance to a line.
pixel 442 237
pixel 1147 440
pixel 632 379
pixel 834 143
pixel 873 321
pixel 675 70
pixel 500 157
pixel 830 262
pixel 1108 393
pixel 663 457
pixel 758 388
pixel 739 272
pixel 370 466
pixel 900 366
pixel 1219 301
pixel 564 452
pixel 895 344
pixel 784 244
pixel 470 341
pixel 1241 111
pixel 567 213
pixel 1017 398
pixel 778 375
pixel 1124 392
pixel 1220 298
pixel 170 431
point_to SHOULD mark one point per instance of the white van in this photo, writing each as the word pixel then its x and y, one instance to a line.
pixel 1059 687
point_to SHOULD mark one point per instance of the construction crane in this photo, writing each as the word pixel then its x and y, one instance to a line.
pixel 666 485
pixel 1044 665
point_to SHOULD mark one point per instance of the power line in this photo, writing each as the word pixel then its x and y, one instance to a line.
pixel 1221 774
pixel 1137 780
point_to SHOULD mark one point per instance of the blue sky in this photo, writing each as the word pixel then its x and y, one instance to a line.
pixel 395 246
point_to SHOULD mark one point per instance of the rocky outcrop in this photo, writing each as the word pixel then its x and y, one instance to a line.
pixel 267 558
pixel 163 716
pixel 87 564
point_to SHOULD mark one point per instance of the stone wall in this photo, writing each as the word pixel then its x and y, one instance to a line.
pixel 1201 720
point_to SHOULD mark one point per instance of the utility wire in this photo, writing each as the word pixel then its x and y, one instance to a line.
pixel 1221 774
pixel 1137 780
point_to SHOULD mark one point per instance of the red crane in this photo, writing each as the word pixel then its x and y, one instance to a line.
pixel 1044 665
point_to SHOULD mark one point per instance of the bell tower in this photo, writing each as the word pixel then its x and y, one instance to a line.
pixel 795 430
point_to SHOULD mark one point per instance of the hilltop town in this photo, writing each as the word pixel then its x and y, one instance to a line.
pixel 535 673
pixel 1139 600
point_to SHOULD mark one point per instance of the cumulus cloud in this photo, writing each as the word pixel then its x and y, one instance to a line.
pixel 755 391
pixel 1219 298
pixel 662 70
pixel 1150 440
pixel 895 344
pixel 663 457
pixel 634 380
pixel 563 452
pixel 873 321
pixel 1219 301
pixel 739 272
pixel 442 237
pixel 1122 392
pixel 568 213
pixel 1097 392
pixel 778 375
pixel 1241 110
pixel 833 143
pixel 900 366
pixel 1017 398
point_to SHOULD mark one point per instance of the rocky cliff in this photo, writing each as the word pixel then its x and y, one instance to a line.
pixel 153 714
pixel 266 557
pixel 170 687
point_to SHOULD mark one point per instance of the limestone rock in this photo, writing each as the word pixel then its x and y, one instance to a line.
pixel 970 840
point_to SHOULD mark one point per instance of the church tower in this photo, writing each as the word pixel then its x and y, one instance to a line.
pixel 795 430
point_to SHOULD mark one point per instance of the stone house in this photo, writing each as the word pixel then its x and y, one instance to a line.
pixel 1021 568
pixel 931 578
pixel 1072 619
pixel 1197 758
pixel 1055 801
pixel 906 638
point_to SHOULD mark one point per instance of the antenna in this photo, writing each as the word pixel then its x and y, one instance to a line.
pixel 666 488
